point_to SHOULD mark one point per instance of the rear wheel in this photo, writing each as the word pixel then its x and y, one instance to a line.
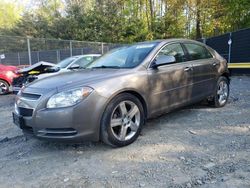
pixel 4 87
pixel 122 120
pixel 221 95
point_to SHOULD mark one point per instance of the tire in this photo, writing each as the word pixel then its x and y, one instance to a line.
pixel 4 87
pixel 126 121
pixel 217 100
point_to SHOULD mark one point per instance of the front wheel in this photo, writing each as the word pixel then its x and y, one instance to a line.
pixel 122 120
pixel 221 95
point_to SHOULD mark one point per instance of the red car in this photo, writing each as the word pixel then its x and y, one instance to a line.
pixel 7 74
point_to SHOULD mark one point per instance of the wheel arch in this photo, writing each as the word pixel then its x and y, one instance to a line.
pixel 134 93
pixel 141 99
pixel 5 81
pixel 227 75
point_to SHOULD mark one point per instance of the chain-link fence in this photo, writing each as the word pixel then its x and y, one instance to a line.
pixel 27 51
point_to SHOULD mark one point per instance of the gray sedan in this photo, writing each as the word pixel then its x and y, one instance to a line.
pixel 111 99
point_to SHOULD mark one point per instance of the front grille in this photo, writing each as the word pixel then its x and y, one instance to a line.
pixel 30 96
pixel 25 111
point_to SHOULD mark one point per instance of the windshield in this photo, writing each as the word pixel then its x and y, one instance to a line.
pixel 125 57
pixel 64 63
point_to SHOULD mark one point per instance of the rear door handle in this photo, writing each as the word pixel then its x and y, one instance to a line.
pixel 188 69
pixel 215 63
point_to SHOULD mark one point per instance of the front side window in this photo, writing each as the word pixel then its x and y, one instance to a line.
pixel 173 50
pixel 196 51
pixel 84 61
pixel 88 58
pixel 125 57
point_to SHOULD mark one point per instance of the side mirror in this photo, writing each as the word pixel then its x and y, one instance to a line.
pixel 74 66
pixel 163 60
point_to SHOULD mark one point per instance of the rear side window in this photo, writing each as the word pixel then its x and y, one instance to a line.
pixel 196 51
pixel 174 50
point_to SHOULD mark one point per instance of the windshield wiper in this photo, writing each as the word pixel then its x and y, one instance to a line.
pixel 106 67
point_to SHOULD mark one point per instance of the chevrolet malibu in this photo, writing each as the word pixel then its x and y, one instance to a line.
pixel 111 99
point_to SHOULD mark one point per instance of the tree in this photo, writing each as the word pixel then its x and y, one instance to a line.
pixel 9 14
pixel 129 20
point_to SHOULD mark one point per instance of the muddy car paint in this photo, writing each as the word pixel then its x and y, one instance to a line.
pixel 160 90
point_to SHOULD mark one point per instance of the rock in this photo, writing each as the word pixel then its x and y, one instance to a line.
pixel 141 184
pixel 209 165
pixel 199 182
pixel 212 160
pixel 224 178
pixel 188 185
pixel 192 132
pixel 25 138
pixel 66 179
pixel 162 158
pixel 213 181
pixel 182 158
pixel 79 152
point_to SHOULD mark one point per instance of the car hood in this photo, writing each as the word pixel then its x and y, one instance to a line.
pixel 40 66
pixel 72 79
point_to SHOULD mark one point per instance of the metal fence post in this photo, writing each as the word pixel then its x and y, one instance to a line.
pixel 102 48
pixel 18 58
pixel 29 52
pixel 70 46
pixel 204 40
pixel 38 56
pixel 57 56
pixel 229 47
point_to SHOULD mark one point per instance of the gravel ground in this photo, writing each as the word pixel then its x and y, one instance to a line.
pixel 198 146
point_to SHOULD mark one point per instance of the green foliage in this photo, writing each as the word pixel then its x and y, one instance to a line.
pixel 9 14
pixel 125 21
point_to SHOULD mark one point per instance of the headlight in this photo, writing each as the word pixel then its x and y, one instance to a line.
pixel 10 74
pixel 68 98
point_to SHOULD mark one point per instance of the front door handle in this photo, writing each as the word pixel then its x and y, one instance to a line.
pixel 187 69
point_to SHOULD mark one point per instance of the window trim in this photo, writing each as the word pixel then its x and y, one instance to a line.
pixel 170 43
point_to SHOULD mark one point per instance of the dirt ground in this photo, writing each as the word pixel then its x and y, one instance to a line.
pixel 198 146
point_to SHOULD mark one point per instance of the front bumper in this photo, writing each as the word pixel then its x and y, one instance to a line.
pixel 76 123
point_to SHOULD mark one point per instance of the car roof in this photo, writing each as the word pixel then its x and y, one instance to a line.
pixel 169 40
pixel 85 55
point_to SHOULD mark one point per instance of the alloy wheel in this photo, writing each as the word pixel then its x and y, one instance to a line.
pixel 3 88
pixel 125 120
pixel 222 92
